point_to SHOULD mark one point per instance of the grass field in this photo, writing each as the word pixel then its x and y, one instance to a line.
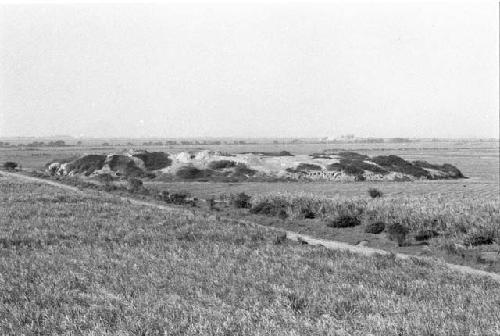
pixel 73 264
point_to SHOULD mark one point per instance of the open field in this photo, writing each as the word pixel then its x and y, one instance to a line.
pixel 93 264
pixel 459 210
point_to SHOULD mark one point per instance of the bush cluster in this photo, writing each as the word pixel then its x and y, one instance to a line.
pixel 375 228
pixel 240 201
pixel 374 193
pixel 9 165
pixel 397 232
pixel 425 234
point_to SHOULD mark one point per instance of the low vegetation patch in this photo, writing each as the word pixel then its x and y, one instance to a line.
pixel 397 232
pixel 374 193
pixel 426 234
pixel 135 185
pixel 240 201
pixel 343 221
pixel 481 237
pixel 375 228
pixel 9 165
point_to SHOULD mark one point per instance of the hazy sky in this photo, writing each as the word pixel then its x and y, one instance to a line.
pixel 250 70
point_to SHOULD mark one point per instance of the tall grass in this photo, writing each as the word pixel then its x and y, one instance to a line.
pixel 457 218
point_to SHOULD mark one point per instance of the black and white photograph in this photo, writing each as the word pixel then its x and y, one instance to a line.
pixel 287 168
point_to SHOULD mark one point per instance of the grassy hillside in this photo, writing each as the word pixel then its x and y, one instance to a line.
pixel 74 264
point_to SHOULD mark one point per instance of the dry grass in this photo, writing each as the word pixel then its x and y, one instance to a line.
pixel 456 219
pixel 86 265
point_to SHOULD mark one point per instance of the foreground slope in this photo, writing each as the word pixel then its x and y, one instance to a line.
pixel 83 264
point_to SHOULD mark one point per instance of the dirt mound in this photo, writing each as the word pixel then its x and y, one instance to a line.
pixel 340 166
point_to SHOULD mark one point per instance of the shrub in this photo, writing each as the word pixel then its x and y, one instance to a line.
pixel 221 164
pixel 271 207
pixel 279 239
pixel 397 232
pixel 134 185
pixel 9 165
pixel 375 228
pixel 307 213
pixel 154 160
pixel 374 193
pixel 179 198
pixel 105 178
pixel 480 237
pixel 297 303
pixel 426 234
pixel 241 201
pixel 343 221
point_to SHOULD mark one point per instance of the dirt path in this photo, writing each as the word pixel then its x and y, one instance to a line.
pixel 330 244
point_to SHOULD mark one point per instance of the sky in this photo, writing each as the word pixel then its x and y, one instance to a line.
pixel 283 69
